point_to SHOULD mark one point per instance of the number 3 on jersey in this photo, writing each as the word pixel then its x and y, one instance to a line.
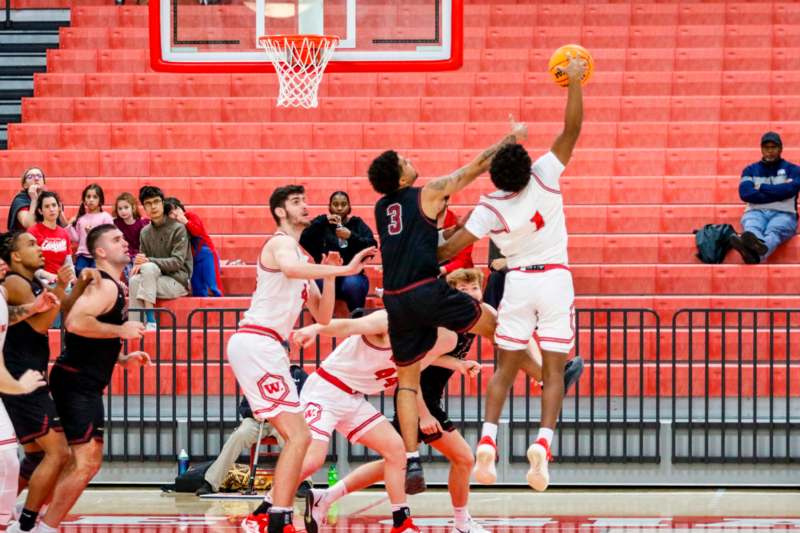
pixel 395 214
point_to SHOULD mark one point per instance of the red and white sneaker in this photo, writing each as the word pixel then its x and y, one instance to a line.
pixel 256 523
pixel 408 525
pixel 485 458
pixel 538 456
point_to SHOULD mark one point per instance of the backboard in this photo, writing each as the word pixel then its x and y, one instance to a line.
pixel 375 35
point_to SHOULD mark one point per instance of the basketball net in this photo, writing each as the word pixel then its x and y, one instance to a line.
pixel 300 62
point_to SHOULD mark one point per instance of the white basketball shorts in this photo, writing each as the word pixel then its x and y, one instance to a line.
pixel 261 367
pixel 328 407
pixel 539 304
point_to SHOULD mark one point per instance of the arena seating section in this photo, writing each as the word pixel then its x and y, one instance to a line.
pixel 680 96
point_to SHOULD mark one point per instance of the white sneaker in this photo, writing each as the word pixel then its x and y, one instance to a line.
pixel 472 527
pixel 150 326
pixel 316 513
pixel 538 475
pixel 485 472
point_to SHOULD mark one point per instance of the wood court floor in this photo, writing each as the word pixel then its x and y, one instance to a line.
pixel 501 511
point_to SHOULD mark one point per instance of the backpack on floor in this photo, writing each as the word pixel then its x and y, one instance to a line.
pixel 712 242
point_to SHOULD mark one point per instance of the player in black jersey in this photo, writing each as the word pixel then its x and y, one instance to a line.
pixel 33 415
pixel 416 299
pixel 96 325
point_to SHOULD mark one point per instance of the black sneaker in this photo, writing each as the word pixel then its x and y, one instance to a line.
pixel 754 243
pixel 415 477
pixel 304 488
pixel 205 489
pixel 749 256
pixel 572 372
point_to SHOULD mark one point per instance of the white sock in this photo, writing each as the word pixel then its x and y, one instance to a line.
pixel 546 434
pixel 410 455
pixel 489 430
pixel 268 498
pixel 275 509
pixel 461 515
pixel 337 492
pixel 44 528
pixel 398 506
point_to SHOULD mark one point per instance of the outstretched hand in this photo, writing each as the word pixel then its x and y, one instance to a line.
pixel 356 264
pixel 304 337
pixel 575 69
pixel 45 302
pixel 518 129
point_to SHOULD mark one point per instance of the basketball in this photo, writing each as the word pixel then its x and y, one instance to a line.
pixel 560 59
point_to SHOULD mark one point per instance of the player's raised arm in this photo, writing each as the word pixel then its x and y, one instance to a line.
pixel 281 251
pixel 375 323
pixel 435 191
pixel 321 303
pixel 573 116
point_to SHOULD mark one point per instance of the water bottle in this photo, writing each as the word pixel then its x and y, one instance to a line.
pixel 342 242
pixel 333 511
pixel 183 462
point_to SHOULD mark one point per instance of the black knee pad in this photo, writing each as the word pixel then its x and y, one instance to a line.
pixel 29 464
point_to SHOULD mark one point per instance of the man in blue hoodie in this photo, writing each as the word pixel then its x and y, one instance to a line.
pixel 770 188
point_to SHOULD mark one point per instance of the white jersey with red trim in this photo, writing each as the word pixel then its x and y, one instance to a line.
pixel 362 366
pixel 277 300
pixel 528 226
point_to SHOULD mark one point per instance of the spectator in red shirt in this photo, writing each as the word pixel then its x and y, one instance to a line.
pixel 447 221
pixel 206 280
pixel 128 220
pixel 53 239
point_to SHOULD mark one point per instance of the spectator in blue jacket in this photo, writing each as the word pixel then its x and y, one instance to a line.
pixel 770 188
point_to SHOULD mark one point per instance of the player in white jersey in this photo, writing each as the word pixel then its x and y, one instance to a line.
pixel 256 353
pixel 525 219
pixel 333 398
pixel 27 383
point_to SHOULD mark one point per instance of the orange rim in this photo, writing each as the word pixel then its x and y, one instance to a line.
pixel 315 40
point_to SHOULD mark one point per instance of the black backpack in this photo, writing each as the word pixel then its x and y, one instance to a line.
pixel 713 242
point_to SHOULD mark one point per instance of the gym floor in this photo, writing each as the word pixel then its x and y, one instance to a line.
pixel 506 511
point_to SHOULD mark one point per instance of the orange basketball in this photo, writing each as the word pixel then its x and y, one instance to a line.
pixel 559 59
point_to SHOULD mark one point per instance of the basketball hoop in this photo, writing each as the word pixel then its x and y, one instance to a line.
pixel 299 61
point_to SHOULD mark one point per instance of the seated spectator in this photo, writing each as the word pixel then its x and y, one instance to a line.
pixel 339 232
pixel 206 279
pixel 163 267
pixel 90 215
pixel 130 223
pixel 52 238
pixel 770 188
pixel 20 216
pixel 463 259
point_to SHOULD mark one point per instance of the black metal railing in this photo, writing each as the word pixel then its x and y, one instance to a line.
pixel 732 378
pixel 610 416
pixel 736 386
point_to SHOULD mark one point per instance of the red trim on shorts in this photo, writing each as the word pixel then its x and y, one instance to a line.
pixel 12 440
pixel 366 341
pixel 45 428
pixel 67 368
pixel 540 268
pixel 475 321
pixel 333 380
pixel 86 436
pixel 319 431
pixel 364 424
pixel 411 362
pixel 407 288
pixel 557 339
pixel 543 186
pixel 502 220
pixel 275 406
pixel 510 339
pixel 252 329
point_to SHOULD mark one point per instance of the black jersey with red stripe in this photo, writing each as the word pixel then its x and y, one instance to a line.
pixel 408 239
